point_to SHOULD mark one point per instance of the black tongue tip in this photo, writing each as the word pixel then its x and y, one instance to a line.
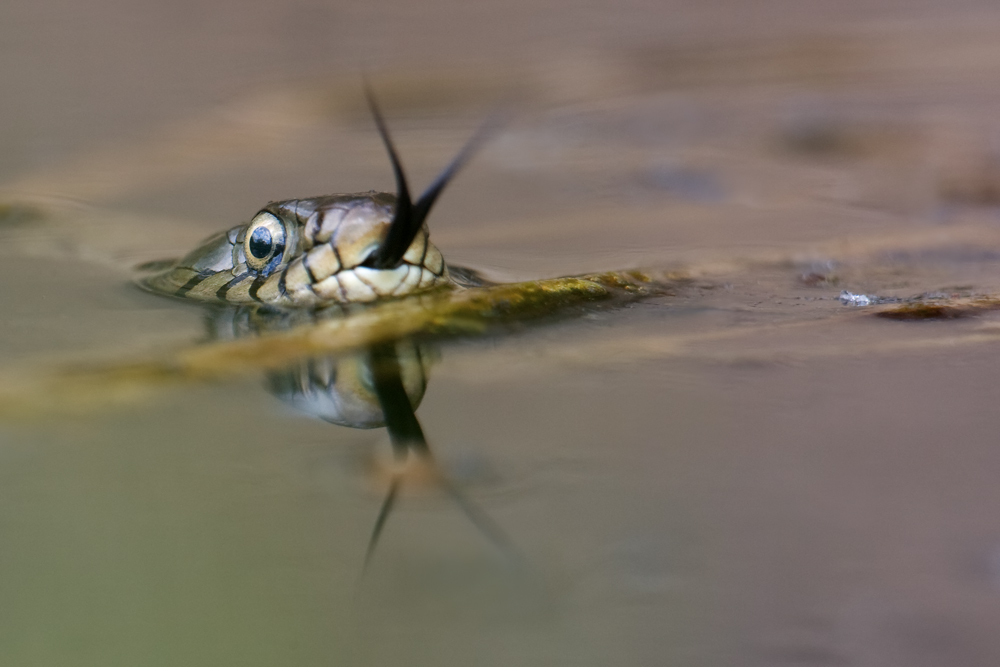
pixel 390 252
pixel 409 217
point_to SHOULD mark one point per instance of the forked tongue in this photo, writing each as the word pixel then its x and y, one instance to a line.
pixel 409 217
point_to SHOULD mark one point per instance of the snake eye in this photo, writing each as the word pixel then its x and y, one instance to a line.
pixel 265 241
pixel 261 243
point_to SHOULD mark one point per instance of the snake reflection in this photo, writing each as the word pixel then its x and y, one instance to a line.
pixel 381 386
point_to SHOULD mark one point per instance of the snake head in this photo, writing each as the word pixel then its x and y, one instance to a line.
pixel 343 248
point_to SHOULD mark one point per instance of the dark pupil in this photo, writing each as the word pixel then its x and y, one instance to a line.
pixel 260 243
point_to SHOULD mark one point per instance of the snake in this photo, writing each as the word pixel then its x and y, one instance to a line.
pixel 296 260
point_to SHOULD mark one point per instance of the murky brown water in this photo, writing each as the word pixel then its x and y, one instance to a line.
pixel 743 473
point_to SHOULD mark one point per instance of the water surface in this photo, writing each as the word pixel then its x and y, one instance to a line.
pixel 742 472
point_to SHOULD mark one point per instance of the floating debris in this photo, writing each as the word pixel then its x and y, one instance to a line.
pixel 936 310
pixel 851 299
pixel 817 273
pixel 817 279
pixel 927 311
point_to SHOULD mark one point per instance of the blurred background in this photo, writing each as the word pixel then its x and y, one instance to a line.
pixel 745 472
